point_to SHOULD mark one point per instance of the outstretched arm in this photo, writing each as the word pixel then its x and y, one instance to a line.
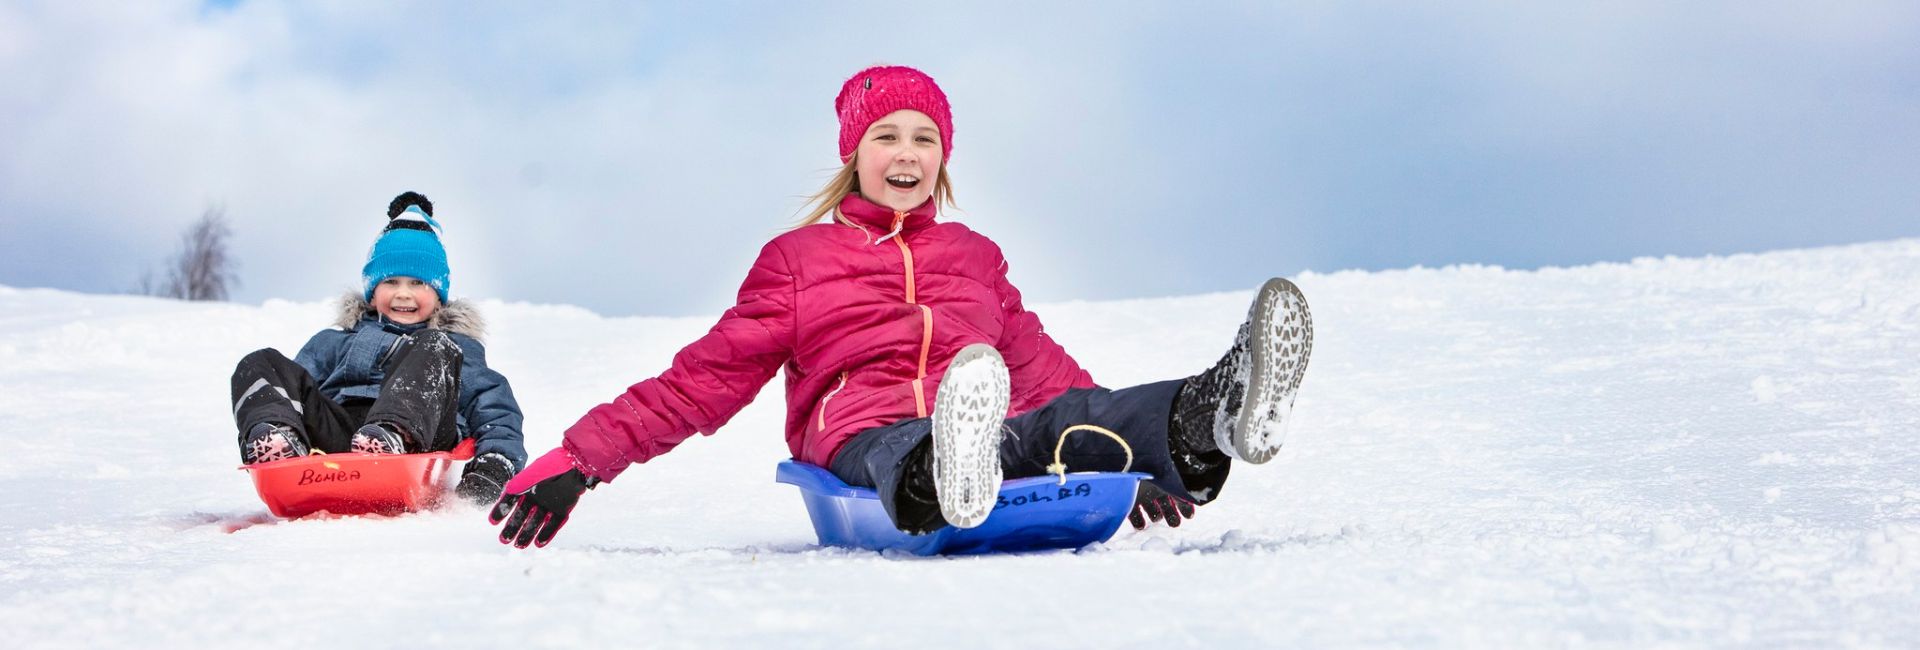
pixel 709 381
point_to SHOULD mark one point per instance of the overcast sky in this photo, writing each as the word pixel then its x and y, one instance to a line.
pixel 633 159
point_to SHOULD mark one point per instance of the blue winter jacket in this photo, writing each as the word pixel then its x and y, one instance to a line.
pixel 348 360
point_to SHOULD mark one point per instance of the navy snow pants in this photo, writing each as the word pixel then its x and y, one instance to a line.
pixel 881 457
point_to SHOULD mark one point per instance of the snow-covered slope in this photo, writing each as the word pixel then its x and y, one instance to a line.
pixel 1718 451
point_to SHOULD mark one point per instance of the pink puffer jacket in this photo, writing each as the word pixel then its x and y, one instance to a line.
pixel 863 314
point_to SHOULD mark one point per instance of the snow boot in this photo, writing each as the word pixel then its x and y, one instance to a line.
pixel 376 438
pixel 268 442
pixel 1240 406
pixel 968 415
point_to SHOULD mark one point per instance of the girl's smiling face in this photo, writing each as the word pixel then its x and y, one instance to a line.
pixel 898 160
pixel 405 300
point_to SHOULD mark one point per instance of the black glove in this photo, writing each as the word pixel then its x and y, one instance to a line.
pixel 483 478
pixel 1153 503
pixel 539 499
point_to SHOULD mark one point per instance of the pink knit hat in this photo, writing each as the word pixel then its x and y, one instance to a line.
pixel 875 92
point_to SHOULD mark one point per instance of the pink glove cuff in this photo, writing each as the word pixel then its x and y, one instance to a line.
pixel 548 465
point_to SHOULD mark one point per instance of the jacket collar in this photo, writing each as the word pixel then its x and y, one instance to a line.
pixel 459 317
pixel 882 222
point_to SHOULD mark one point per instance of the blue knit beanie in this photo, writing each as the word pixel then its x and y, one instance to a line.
pixel 409 246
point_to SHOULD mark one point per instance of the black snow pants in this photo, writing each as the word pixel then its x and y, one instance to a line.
pixel 420 394
pixel 882 457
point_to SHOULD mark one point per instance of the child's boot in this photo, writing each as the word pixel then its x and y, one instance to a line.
pixel 267 442
pixel 1240 405
pixel 378 438
pixel 968 413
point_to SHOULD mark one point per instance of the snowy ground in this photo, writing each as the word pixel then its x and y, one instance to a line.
pixel 1674 452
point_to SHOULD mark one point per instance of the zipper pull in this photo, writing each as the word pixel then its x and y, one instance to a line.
pixel 899 219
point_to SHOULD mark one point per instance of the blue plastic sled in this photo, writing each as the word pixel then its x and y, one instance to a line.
pixel 1033 514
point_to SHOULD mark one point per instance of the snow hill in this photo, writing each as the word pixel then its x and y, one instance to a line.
pixel 1668 452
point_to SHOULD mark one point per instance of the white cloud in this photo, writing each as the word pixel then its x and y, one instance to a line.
pixel 632 158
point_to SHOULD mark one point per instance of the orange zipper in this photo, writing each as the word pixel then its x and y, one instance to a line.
pixel 907 254
pixel 926 319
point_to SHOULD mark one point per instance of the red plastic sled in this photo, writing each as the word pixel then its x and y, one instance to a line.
pixel 355 484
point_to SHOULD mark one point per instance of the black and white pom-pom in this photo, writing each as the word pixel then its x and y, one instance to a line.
pixel 398 215
pixel 405 199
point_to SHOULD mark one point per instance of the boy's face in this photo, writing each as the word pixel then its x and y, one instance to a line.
pixel 405 300
pixel 899 160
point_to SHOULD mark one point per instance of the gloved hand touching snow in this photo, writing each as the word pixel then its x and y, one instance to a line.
pixel 539 498
pixel 1153 503
pixel 482 480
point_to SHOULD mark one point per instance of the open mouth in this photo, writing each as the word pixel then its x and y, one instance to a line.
pixel 903 181
pixel 405 310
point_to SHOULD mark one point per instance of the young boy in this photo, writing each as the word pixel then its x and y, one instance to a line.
pixel 402 370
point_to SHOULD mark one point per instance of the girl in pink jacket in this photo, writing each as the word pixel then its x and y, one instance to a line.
pixel 911 365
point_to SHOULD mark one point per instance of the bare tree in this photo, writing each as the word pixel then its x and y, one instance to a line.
pixel 202 269
pixel 148 285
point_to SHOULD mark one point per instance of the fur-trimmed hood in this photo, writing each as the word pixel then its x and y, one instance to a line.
pixel 458 316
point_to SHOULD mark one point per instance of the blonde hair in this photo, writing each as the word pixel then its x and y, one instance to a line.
pixel 847 181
